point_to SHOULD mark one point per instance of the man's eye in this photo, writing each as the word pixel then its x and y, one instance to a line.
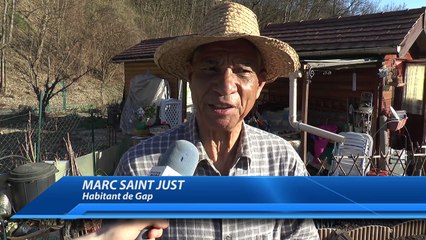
pixel 210 69
pixel 244 71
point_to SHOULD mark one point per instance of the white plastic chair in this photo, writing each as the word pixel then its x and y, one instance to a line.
pixel 351 158
pixel 171 112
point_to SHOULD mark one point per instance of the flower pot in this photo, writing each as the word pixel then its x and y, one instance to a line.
pixel 395 125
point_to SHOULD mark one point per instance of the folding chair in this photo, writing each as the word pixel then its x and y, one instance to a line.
pixel 351 158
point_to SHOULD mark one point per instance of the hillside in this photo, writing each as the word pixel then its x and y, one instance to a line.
pixel 81 95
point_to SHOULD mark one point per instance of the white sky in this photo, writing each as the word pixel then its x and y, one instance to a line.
pixel 408 3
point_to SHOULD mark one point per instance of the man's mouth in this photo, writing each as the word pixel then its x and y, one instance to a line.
pixel 220 106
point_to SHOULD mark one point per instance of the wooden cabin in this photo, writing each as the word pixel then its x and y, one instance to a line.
pixel 347 56
pixel 342 59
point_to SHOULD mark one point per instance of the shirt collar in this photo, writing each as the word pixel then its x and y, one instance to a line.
pixel 193 137
pixel 245 141
pixel 243 151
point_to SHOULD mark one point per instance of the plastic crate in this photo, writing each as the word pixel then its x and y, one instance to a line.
pixel 171 112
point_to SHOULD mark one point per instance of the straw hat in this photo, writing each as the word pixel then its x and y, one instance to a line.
pixel 228 21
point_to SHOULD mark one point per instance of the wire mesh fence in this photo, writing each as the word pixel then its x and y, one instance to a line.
pixel 23 134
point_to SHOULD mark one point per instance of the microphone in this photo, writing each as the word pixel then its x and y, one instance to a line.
pixel 180 159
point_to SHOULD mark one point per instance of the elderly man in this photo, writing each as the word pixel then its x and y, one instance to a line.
pixel 226 65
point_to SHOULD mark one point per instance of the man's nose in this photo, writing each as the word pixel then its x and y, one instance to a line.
pixel 226 83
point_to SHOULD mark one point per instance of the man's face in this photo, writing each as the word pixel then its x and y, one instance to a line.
pixel 225 79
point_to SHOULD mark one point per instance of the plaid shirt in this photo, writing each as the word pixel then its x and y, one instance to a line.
pixel 259 154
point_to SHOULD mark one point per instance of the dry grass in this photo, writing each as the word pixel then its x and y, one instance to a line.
pixel 87 91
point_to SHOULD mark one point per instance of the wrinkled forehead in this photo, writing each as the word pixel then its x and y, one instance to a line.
pixel 241 48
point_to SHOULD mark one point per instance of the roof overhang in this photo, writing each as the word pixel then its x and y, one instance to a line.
pixel 341 63
pixel 412 36
pixel 345 52
pixel 132 60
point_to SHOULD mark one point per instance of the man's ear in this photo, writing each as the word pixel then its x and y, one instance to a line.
pixel 259 90
pixel 189 71
pixel 262 82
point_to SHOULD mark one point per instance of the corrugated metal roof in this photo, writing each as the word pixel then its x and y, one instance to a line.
pixel 364 34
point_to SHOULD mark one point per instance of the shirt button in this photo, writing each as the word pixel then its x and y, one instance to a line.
pixel 228 237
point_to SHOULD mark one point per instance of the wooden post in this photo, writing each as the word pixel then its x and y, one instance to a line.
pixel 184 89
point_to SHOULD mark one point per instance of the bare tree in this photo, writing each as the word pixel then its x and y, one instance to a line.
pixel 162 18
pixel 6 37
pixel 272 11
pixel 393 7
pixel 51 48
pixel 109 31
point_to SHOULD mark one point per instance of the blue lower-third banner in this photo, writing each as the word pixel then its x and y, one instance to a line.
pixel 230 197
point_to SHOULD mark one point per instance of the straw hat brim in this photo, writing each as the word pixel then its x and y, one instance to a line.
pixel 279 58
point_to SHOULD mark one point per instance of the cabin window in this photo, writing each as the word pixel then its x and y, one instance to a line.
pixel 413 92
